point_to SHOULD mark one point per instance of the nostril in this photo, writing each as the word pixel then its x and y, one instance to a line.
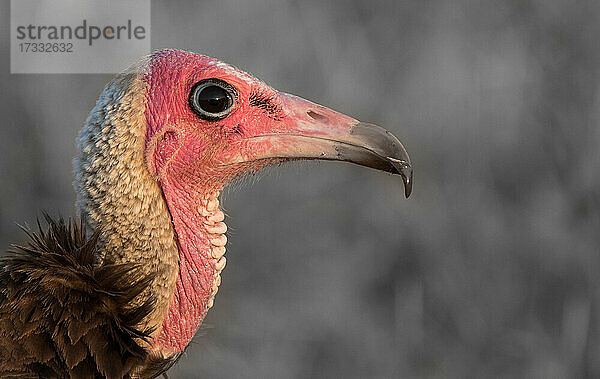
pixel 316 116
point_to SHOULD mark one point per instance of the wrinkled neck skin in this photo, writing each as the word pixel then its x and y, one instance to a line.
pixel 174 236
pixel 201 241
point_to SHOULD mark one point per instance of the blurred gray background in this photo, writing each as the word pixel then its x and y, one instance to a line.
pixel 490 269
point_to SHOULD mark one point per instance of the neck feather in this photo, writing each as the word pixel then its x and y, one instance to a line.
pixel 179 245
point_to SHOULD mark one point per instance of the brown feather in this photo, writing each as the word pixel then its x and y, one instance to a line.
pixel 64 315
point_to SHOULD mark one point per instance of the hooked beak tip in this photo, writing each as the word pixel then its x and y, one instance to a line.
pixel 406 172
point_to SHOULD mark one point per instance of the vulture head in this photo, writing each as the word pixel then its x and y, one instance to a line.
pixel 164 138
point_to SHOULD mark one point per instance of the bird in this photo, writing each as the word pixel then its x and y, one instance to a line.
pixel 120 290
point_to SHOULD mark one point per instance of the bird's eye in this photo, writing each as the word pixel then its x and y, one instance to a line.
pixel 212 99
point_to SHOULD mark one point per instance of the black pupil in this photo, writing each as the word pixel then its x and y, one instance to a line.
pixel 213 99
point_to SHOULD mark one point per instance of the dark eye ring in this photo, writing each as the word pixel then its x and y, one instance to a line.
pixel 212 99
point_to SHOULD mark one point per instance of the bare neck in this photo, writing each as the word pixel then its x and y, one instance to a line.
pixel 201 239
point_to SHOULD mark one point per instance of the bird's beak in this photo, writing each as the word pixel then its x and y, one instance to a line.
pixel 316 132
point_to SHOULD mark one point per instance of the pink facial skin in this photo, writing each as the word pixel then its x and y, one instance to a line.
pixel 184 152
